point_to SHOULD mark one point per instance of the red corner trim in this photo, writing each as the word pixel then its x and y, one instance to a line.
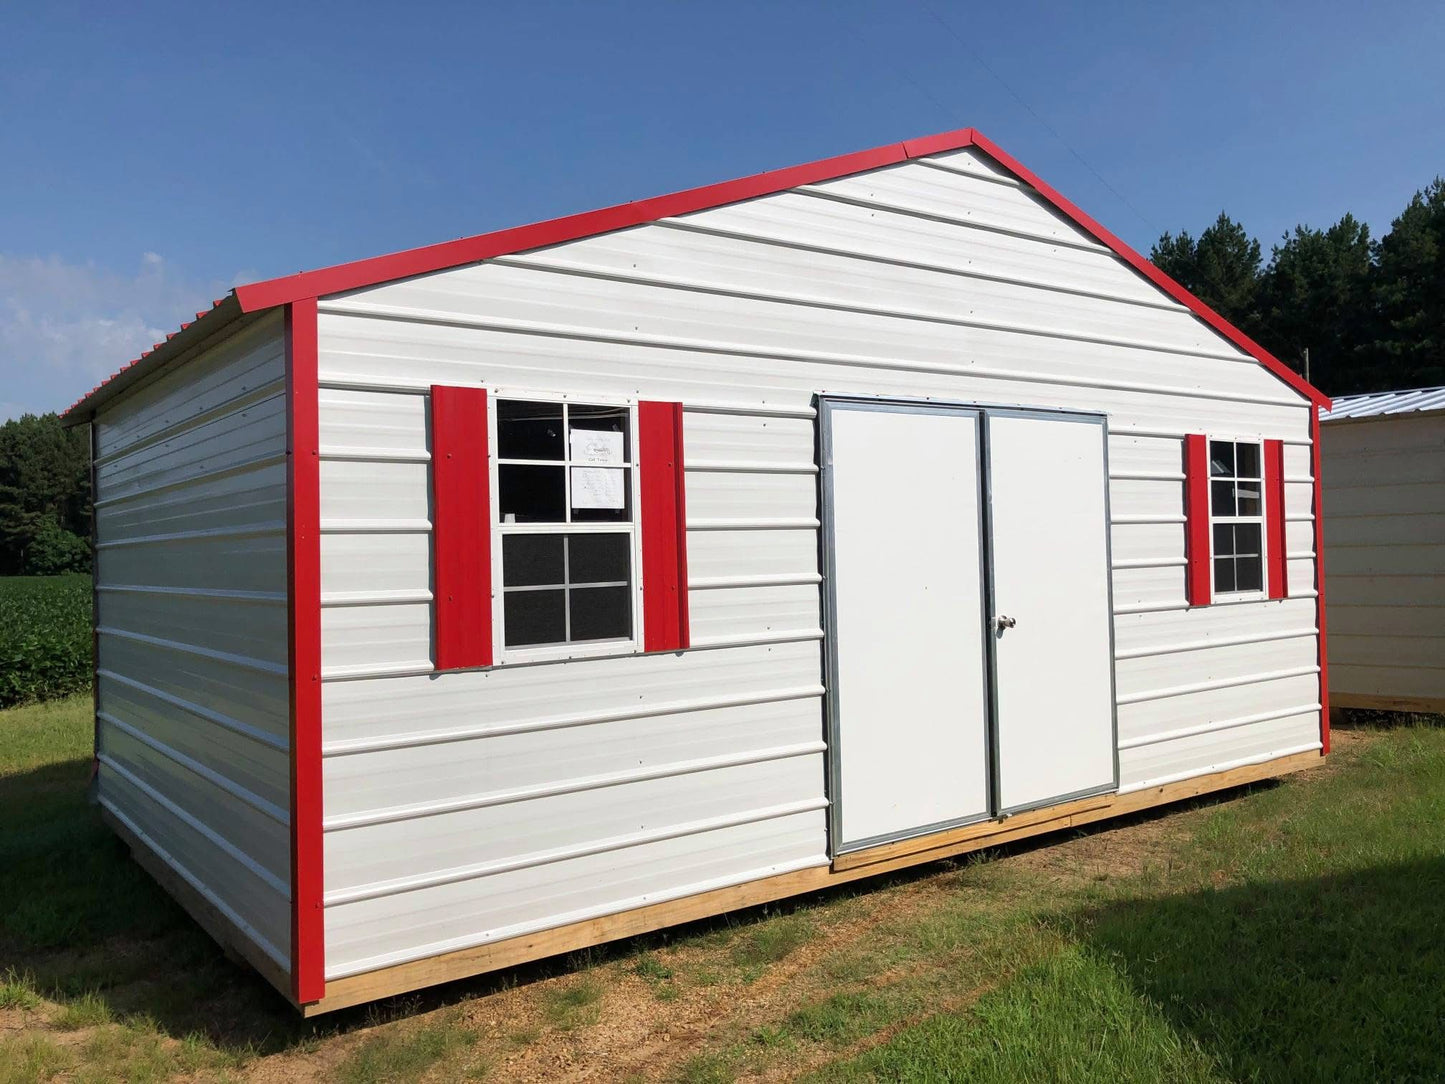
pixel 664 527
pixel 461 527
pixel 1196 519
pixel 417 261
pixel 1320 583
pixel 303 550
pixel 1278 574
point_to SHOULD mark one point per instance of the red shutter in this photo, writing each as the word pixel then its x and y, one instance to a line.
pixel 461 528
pixel 1196 519
pixel 1277 573
pixel 664 527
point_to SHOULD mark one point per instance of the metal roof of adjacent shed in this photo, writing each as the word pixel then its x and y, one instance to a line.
pixel 258 296
pixel 1380 403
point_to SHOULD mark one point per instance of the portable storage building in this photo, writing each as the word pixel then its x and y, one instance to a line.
pixel 1384 524
pixel 485 601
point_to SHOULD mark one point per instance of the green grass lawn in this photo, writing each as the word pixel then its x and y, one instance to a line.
pixel 1291 931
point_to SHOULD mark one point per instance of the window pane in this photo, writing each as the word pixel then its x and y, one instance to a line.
pixel 1223 540
pixel 1249 574
pixel 599 558
pixel 601 494
pixel 1223 574
pixel 1247 540
pixel 529 559
pixel 531 494
pixel 528 430
pixel 601 613
pixel 1249 502
pixel 1221 498
pixel 1246 460
pixel 599 434
pixel 1221 458
pixel 534 617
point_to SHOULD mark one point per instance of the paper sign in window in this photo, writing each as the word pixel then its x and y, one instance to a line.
pixel 598 487
pixel 596 446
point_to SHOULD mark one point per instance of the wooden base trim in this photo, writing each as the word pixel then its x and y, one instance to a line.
pixel 207 916
pixel 358 989
pixel 1387 703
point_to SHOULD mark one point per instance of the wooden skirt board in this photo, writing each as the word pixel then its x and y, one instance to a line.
pixel 1385 703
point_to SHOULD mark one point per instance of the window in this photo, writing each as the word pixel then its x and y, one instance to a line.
pixel 565 516
pixel 1236 517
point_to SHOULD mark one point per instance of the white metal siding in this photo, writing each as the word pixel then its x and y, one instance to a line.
pixel 937 277
pixel 1385 539
pixel 191 611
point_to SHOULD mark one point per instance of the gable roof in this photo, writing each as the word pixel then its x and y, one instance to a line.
pixel 259 296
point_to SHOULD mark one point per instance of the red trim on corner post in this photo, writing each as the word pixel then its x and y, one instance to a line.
pixel 1197 580
pixel 1277 575
pixel 303 555
pixel 461 527
pixel 1320 583
pixel 664 527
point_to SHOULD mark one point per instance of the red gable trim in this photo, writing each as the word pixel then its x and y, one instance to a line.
pixel 418 261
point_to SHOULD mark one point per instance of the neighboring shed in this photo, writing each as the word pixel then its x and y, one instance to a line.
pixel 1384 480
pixel 490 600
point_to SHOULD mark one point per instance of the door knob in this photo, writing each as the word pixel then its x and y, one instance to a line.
pixel 1002 622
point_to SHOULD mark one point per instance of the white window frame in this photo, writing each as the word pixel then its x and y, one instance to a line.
pixel 501 653
pixel 1238 596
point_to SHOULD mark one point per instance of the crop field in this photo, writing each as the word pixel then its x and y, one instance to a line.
pixel 44 637
pixel 1284 931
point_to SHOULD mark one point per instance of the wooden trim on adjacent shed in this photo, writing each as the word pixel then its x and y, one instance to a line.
pixel 358 989
pixel 1319 514
pixel 303 573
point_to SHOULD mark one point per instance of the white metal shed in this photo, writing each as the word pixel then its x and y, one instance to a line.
pixel 481 602
pixel 1384 524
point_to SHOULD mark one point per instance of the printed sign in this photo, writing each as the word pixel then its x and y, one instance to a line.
pixel 598 487
pixel 595 446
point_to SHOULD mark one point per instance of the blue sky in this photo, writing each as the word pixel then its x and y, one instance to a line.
pixel 153 155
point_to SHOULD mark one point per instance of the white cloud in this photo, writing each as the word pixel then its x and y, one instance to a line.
pixel 65 327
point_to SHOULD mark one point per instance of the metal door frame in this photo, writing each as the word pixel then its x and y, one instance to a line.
pixel 825 406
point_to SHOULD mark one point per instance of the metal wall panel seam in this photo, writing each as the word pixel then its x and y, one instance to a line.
pixel 787 636
pixel 734 234
pixel 1147 476
pixel 259 463
pixel 780 523
pixel 560 722
pixel 1204 645
pixel 1148 562
pixel 1216 431
pixel 1222 683
pixel 361 598
pixel 394 814
pixel 947 167
pixel 1210 728
pixel 401 885
pixel 953 220
pixel 457 944
pixel 195 824
pixel 1126 519
pixel 365 455
pixel 1209 769
pixel 581 270
pixel 707 583
pixel 245 730
pixel 241 925
pixel 375 526
pixel 258 530
pixel 219 594
pixel 366 671
pixel 274 389
pixel 725 467
pixel 244 662
pixel 210 775
pixel 403 314
pixel 303 577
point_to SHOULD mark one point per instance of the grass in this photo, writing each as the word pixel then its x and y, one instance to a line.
pixel 45 644
pixel 1287 932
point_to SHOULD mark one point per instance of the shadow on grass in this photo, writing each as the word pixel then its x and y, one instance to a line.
pixel 1341 977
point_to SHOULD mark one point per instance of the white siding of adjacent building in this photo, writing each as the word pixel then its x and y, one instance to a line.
pixel 467 807
pixel 1384 503
pixel 193 731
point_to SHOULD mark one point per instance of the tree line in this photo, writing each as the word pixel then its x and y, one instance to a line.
pixel 1370 313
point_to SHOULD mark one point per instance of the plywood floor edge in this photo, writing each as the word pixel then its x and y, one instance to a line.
pixel 220 928
pixel 465 963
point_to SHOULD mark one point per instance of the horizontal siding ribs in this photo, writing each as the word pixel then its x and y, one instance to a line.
pixel 786 579
pixel 254 530
pixel 558 722
pixel 1208 769
pixel 1220 683
pixel 272 390
pixel 265 597
pixel 736 467
pixel 379 598
pixel 1212 727
pixel 971 174
pixel 215 778
pixel 617 843
pixel 254 464
pixel 572 786
pixel 368 455
pixel 244 662
pixel 787 636
pixel 245 730
pixel 1203 645
pixel 405 314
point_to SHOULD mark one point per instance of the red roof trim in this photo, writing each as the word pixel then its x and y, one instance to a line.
pixel 418 261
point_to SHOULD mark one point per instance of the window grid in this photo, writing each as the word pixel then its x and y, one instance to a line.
pixel 1226 467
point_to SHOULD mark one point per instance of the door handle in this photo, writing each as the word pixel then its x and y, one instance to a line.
pixel 1001 622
